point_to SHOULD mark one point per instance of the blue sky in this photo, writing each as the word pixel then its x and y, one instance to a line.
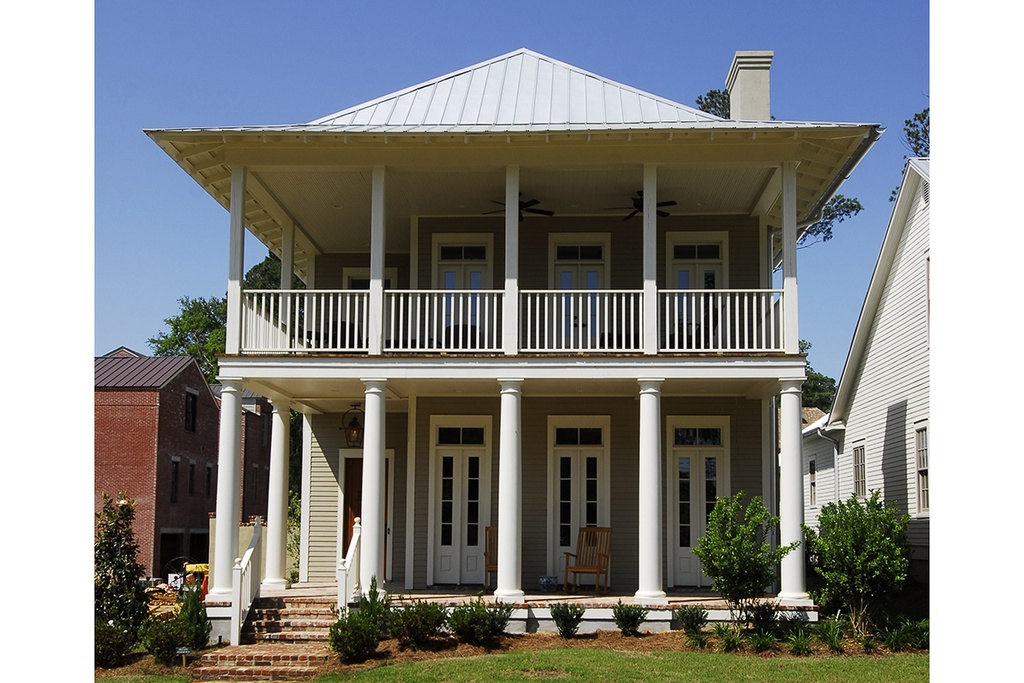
pixel 158 236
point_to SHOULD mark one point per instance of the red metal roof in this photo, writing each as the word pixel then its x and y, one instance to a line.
pixel 138 373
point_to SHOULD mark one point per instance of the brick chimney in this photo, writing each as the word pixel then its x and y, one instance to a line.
pixel 748 85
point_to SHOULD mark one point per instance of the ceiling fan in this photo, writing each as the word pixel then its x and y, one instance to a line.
pixel 527 206
pixel 638 206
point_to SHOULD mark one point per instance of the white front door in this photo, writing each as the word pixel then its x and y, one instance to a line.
pixel 579 473
pixel 698 475
pixel 462 486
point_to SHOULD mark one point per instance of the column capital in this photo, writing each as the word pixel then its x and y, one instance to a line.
pixel 511 384
pixel 280 405
pixel 791 386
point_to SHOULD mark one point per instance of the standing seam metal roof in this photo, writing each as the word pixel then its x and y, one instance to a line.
pixel 138 373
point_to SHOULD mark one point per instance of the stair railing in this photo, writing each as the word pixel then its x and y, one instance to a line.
pixel 245 584
pixel 348 571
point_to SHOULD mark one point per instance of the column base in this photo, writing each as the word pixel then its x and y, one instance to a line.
pixel 218 595
pixel 503 595
pixel 277 584
pixel 795 600
pixel 651 597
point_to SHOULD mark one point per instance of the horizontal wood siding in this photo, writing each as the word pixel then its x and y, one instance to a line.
pixel 822 452
pixel 891 398
pixel 330 269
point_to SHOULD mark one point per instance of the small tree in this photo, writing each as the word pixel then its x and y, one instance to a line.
pixel 736 554
pixel 861 554
pixel 121 605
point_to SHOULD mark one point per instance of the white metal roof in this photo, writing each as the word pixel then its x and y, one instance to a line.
pixel 518 91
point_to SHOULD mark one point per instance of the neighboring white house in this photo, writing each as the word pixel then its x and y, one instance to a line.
pixel 876 435
pixel 612 353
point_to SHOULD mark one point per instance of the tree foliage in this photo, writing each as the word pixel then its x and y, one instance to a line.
pixel 736 554
pixel 861 555
pixel 818 390
pixel 838 209
pixel 715 102
pixel 198 330
pixel 917 140
pixel 120 601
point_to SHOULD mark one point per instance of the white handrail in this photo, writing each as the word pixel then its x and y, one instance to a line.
pixel 451 320
pixel 279 321
pixel 348 571
pixel 245 583
pixel 583 320
pixel 721 320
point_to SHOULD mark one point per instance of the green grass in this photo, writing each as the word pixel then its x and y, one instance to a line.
pixel 607 665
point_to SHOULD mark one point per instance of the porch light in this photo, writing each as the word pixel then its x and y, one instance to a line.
pixel 353 430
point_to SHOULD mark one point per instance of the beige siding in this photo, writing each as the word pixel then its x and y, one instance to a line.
pixel 891 399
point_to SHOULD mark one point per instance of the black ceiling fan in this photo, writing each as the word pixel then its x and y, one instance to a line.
pixel 527 206
pixel 638 206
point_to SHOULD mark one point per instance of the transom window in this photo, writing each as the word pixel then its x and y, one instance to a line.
pixel 578 436
pixel 697 436
pixel 579 252
pixel 463 252
pixel 460 436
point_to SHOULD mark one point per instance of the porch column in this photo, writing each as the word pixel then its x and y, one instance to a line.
pixel 510 305
pixel 236 261
pixel 650 266
pixel 229 457
pixel 275 575
pixel 791 495
pixel 510 493
pixel 651 588
pixel 376 304
pixel 287 254
pixel 371 563
pixel 789 296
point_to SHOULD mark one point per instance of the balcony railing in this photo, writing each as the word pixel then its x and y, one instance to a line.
pixel 470 321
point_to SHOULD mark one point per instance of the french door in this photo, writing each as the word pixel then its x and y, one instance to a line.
pixel 698 475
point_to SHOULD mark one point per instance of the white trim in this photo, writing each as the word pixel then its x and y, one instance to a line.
pixel 557 239
pixel 439 239
pixel 307 472
pixel 724 422
pixel 410 493
pixel 389 459
pixel 348 273
pixel 696 237
pixel 604 483
pixel 437 421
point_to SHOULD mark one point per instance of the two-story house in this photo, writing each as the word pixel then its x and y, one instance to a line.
pixel 545 298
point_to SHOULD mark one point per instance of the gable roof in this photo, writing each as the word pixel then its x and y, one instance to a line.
pixel 916 172
pixel 519 91
pixel 126 372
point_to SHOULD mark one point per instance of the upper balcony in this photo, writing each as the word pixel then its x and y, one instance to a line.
pixel 549 322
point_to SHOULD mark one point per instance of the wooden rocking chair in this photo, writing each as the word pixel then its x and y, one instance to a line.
pixel 490 554
pixel 592 556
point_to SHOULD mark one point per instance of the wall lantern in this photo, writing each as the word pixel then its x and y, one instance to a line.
pixel 350 424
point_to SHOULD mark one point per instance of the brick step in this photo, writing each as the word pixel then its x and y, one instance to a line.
pixel 291 613
pixel 287 636
pixel 263 661
pixel 256 673
pixel 279 625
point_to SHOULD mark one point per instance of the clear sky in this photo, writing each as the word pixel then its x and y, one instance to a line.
pixel 159 236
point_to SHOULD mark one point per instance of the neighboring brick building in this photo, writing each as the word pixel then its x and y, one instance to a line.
pixel 157 426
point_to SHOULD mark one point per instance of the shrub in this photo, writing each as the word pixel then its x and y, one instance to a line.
pixel 735 551
pixel 861 556
pixel 354 636
pixel 112 643
pixel 761 617
pixel 920 631
pixel 417 623
pixel 691 619
pixel 119 597
pixel 899 633
pixel 629 618
pixel 832 631
pixel 163 636
pixel 193 620
pixel 376 606
pixel 799 640
pixel 567 618
pixel 478 623
pixel 762 641
pixel 729 636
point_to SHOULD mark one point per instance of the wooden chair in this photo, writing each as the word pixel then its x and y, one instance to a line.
pixel 592 556
pixel 490 554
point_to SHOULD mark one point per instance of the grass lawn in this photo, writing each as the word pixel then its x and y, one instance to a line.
pixel 608 665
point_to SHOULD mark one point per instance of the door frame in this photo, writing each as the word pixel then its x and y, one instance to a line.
pixel 604 483
pixel 486 480
pixel 671 479
pixel 357 454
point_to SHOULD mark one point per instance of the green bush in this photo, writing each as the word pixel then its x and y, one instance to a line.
pixel 119 597
pixel 762 641
pixel 478 623
pixel 193 619
pixel 736 554
pixel 799 640
pixel 567 618
pixel 163 636
pixel 629 618
pixel 832 632
pixel 729 636
pixel 376 606
pixel 354 636
pixel 691 619
pixel 860 555
pixel 111 644
pixel 761 617
pixel 418 623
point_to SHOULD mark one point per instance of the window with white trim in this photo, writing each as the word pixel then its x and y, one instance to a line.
pixel 859 473
pixel 812 494
pixel 921 448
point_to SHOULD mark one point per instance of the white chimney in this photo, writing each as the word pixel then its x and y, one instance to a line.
pixel 748 85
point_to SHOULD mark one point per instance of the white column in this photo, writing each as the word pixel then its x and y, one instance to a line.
pixel 276 573
pixel 791 495
pixel 789 296
pixel 287 254
pixel 376 341
pixel 236 260
pixel 650 266
pixel 229 456
pixel 372 540
pixel 510 305
pixel 651 585
pixel 510 493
